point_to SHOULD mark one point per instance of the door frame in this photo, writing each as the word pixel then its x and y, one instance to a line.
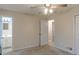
pixel 74 34
pixel 11 34
pixel 39 33
pixel 51 27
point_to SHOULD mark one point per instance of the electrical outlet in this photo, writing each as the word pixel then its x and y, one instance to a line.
pixel 69 48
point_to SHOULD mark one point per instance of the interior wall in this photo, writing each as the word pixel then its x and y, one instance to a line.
pixel 64 30
pixel 25 29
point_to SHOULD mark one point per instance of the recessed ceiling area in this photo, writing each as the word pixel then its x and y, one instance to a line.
pixel 34 9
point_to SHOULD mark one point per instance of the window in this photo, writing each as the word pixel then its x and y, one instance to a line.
pixel 5 26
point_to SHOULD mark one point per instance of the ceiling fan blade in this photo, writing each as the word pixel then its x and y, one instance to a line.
pixel 52 6
pixel 58 5
pixel 37 7
pixel 62 5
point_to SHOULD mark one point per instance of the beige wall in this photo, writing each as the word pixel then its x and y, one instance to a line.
pixel 64 31
pixel 25 29
pixel 64 37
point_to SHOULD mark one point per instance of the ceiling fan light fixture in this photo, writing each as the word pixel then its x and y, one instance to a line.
pixel 47 5
pixel 46 10
pixel 50 10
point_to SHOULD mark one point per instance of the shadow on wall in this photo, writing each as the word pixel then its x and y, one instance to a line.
pixel 0 50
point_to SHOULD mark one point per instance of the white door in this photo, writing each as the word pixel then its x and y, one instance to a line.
pixel 77 36
pixel 43 32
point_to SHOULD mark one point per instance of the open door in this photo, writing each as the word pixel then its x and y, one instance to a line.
pixel 43 32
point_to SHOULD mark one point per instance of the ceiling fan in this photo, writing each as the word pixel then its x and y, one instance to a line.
pixel 48 8
pixel 49 5
pixel 55 5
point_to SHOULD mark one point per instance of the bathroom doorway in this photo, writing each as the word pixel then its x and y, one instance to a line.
pixel 6 34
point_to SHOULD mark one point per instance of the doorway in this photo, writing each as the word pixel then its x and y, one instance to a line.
pixel 46 32
pixel 76 35
pixel 51 32
pixel 6 34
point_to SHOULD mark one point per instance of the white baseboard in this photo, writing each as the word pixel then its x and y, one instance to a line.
pixel 25 48
pixel 64 49
pixel 29 47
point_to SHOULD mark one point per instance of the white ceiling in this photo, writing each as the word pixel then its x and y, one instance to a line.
pixel 29 8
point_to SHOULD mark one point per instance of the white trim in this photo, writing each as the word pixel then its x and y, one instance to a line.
pixel 74 34
pixel 25 48
pixel 64 49
pixel 28 47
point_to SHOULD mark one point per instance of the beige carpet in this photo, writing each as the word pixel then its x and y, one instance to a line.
pixel 44 50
